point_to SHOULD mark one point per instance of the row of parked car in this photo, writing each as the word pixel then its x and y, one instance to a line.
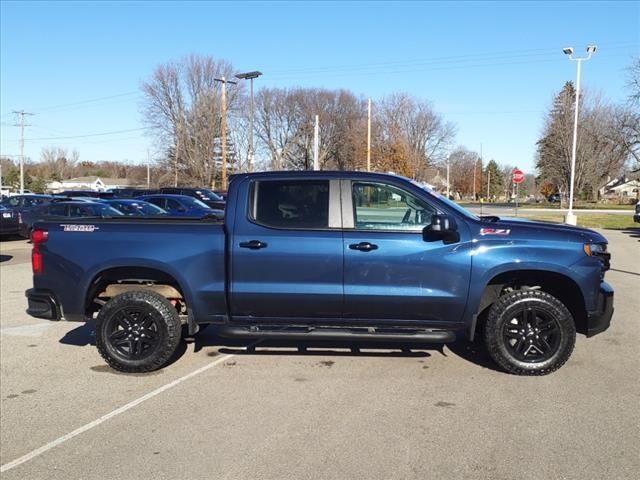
pixel 19 213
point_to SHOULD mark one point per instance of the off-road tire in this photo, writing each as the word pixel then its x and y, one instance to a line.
pixel 166 325
pixel 507 313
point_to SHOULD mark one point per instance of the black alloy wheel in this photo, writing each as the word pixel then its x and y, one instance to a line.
pixel 529 332
pixel 138 331
pixel 134 332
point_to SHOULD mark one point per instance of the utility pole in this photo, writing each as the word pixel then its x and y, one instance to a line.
pixel 21 113
pixel 316 144
pixel 224 82
pixel 148 170
pixel 475 162
pixel 369 137
pixel 250 76
pixel 448 161
pixel 175 172
pixel 488 183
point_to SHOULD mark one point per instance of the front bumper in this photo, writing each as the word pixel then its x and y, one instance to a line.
pixel 599 320
pixel 43 304
pixel 636 218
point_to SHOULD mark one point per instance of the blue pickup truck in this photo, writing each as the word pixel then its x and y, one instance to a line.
pixel 308 256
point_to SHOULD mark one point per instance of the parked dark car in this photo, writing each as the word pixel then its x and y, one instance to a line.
pixel 213 200
pixel 554 198
pixel 66 208
pixel 636 216
pixel 222 194
pixel 133 207
pixel 85 193
pixel 22 203
pixel 131 192
pixel 8 222
pixel 182 206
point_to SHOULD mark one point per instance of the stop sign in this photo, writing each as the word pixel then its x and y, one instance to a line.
pixel 518 176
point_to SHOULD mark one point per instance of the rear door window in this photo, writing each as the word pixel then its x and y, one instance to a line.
pixel 173 205
pixel 291 204
pixel 157 201
pixel 58 210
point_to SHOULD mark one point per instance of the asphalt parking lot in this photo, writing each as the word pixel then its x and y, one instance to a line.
pixel 279 413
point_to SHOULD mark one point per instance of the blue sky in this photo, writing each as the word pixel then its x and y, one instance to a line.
pixel 490 67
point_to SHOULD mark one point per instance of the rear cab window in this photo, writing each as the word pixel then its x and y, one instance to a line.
pixel 290 204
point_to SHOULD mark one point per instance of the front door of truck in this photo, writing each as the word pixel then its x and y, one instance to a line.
pixel 390 271
pixel 286 250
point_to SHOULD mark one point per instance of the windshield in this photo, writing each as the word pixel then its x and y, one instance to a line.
pixel 445 200
pixel 138 208
pixel 209 195
pixel 191 202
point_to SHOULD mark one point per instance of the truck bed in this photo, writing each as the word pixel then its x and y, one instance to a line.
pixel 189 250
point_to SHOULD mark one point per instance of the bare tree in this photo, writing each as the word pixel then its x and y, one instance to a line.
pixel 601 152
pixel 57 163
pixel 182 107
pixel 425 134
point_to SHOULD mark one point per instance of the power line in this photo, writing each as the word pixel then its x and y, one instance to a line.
pixel 115 132
pixel 22 114
pixel 436 60
pixel 82 102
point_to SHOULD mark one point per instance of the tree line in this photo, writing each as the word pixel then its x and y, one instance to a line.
pixel 608 140
pixel 182 105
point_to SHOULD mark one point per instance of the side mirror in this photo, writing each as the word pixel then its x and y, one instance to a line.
pixel 443 227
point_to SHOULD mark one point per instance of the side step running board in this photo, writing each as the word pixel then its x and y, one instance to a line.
pixel 324 333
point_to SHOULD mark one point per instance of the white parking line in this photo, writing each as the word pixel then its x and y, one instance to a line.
pixel 39 451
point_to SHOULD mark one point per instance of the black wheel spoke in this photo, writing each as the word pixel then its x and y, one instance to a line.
pixel 117 335
pixel 530 318
pixel 146 322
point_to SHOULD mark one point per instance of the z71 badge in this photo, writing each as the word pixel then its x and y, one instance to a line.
pixel 495 231
pixel 79 228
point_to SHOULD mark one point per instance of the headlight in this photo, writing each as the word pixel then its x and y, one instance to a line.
pixel 599 250
pixel 592 249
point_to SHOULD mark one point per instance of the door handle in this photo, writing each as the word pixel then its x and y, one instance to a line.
pixel 253 244
pixel 363 246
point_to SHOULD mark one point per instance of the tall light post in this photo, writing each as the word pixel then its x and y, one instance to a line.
pixel 223 141
pixel 571 219
pixel 250 76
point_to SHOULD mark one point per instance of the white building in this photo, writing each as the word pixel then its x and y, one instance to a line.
pixel 90 183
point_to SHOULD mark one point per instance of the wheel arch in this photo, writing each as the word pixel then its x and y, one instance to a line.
pixel 561 286
pixel 147 278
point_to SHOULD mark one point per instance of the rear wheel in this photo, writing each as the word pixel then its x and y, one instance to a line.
pixel 530 332
pixel 137 331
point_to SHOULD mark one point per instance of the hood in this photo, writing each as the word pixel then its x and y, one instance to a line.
pixel 534 228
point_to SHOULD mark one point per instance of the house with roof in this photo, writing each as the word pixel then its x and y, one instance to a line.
pixel 97 184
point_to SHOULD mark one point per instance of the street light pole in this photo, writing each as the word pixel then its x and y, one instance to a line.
pixel 224 82
pixel 250 76
pixel 571 219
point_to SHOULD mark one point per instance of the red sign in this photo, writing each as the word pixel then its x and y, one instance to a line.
pixel 518 176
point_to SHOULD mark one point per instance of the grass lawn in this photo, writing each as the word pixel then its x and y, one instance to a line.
pixel 581 206
pixel 615 222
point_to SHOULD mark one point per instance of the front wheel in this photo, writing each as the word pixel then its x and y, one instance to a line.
pixel 530 332
pixel 137 331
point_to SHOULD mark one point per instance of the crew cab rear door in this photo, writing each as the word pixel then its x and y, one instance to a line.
pixel 286 249
pixel 390 271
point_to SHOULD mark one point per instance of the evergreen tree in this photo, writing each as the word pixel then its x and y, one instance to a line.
pixel 494 176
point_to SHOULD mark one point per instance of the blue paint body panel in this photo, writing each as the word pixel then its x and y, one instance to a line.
pixel 313 275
